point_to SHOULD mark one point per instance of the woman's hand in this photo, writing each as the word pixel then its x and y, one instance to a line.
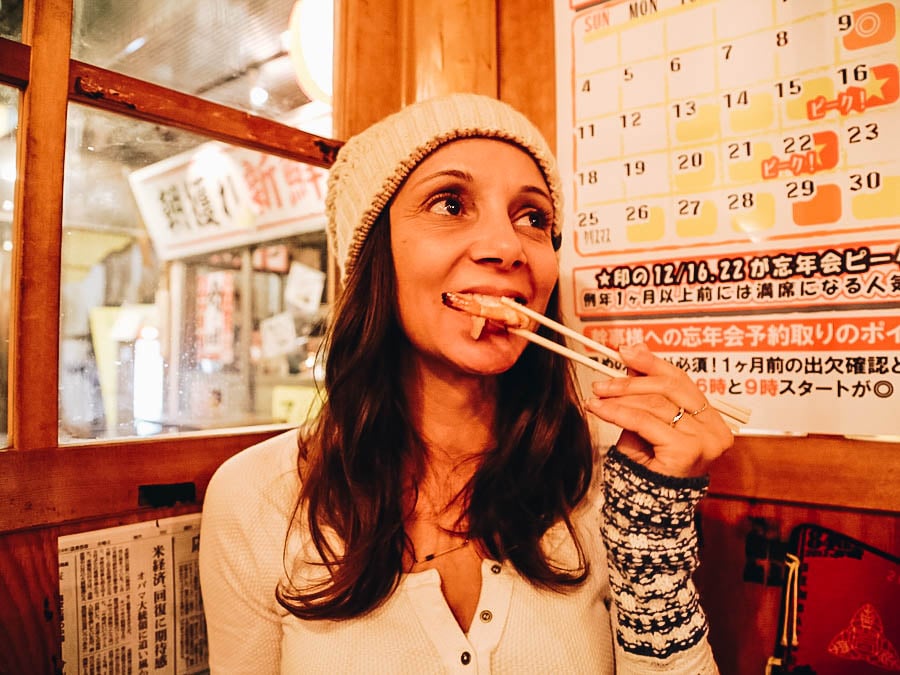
pixel 668 425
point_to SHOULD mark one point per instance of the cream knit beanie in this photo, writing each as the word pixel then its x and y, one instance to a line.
pixel 372 165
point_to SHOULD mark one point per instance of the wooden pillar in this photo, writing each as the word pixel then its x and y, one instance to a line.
pixel 448 46
pixel 395 52
pixel 37 242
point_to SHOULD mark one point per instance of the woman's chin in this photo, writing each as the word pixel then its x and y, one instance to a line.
pixel 489 355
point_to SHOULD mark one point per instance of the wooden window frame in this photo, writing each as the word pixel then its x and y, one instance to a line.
pixel 46 484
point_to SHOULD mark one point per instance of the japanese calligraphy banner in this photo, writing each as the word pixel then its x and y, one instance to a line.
pixel 733 192
pixel 130 599
pixel 220 196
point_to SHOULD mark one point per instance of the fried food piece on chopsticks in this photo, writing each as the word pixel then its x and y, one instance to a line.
pixel 484 308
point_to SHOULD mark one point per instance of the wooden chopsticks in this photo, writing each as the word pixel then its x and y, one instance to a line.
pixel 734 415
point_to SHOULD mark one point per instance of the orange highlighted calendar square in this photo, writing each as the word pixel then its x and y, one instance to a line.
pixel 872 25
pixel 823 208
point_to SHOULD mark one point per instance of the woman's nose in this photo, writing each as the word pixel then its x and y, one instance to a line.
pixel 497 241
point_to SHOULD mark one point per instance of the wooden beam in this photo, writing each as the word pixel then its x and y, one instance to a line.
pixel 15 58
pixel 61 485
pixel 114 92
pixel 37 236
pixel 824 470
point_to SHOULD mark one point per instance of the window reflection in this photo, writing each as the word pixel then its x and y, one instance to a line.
pixel 267 57
pixel 192 282
pixel 11 19
pixel 9 99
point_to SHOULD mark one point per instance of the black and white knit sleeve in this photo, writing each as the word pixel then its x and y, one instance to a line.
pixel 652 546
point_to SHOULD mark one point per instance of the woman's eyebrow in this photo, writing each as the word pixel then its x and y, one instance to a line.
pixel 537 190
pixel 458 174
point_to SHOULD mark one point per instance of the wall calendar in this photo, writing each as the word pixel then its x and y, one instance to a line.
pixel 733 187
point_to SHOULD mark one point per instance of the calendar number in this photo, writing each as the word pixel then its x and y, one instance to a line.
pixel 866 132
pixel 869 181
pixel 587 178
pixel 633 213
pixel 630 120
pixel 739 150
pixel 685 109
pixel 635 168
pixel 688 207
pixel 689 160
pixel 789 88
pixel 737 98
pixel 858 73
pixel 797 189
pixel 587 218
pixel 801 143
pixel 741 200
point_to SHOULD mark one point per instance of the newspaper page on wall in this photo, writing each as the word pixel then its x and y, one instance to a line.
pixel 131 599
pixel 733 191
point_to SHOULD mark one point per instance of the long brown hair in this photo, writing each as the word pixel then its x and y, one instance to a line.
pixel 352 458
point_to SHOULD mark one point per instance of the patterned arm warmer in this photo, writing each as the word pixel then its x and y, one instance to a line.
pixel 652 552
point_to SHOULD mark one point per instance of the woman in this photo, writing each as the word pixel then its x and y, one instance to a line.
pixel 443 513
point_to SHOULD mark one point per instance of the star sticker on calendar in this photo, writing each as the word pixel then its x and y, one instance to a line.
pixel 883 87
pixel 879 85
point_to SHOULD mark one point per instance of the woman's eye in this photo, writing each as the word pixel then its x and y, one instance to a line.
pixel 447 205
pixel 536 218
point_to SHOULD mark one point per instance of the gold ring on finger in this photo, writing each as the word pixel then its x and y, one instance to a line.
pixel 677 417
pixel 700 409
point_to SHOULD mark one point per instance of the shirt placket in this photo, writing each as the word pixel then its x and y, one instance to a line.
pixel 461 653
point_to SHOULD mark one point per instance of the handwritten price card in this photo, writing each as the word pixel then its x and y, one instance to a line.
pixel 733 182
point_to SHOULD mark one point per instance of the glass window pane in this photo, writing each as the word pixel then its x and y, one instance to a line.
pixel 9 103
pixel 11 19
pixel 193 279
pixel 272 58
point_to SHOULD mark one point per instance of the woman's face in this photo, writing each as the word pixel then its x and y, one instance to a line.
pixel 475 217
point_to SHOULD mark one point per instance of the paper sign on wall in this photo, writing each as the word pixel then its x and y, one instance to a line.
pixel 733 185
pixel 130 599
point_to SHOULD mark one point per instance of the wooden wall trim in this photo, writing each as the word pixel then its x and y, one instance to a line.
pixel 114 92
pixel 60 485
pixel 30 631
pixel 816 469
pixel 15 58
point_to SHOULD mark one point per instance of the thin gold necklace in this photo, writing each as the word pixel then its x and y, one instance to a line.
pixel 432 556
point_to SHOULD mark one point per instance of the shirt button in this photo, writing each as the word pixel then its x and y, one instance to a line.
pixel 495 568
pixel 486 615
pixel 465 658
